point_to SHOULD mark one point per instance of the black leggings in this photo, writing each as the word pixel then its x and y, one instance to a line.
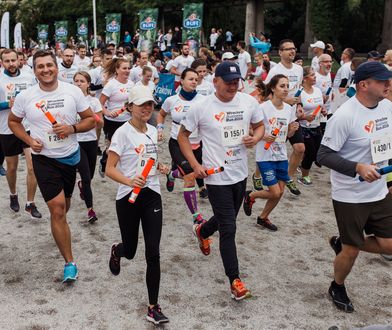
pixel 86 168
pixel 312 139
pixel 148 209
pixel 1 155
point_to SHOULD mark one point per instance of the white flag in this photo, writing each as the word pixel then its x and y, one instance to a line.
pixel 18 36
pixel 5 30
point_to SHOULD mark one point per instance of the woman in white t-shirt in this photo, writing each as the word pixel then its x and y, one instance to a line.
pixel 132 145
pixel 204 87
pixel 147 79
pixel 177 106
pixel 113 98
pixel 313 110
pixel 88 145
pixel 271 153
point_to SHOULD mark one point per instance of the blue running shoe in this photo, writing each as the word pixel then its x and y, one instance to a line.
pixel 70 272
pixel 3 172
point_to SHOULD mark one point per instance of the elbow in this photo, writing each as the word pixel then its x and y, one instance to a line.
pixel 320 156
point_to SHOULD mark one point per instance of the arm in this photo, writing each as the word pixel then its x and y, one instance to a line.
pixel 95 87
pixel 160 123
pixel 102 99
pixel 174 71
pixel 258 133
pixel 86 123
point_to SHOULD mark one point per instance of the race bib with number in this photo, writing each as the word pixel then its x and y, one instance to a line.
pixel 381 148
pixel 56 141
pixel 142 161
pixel 232 135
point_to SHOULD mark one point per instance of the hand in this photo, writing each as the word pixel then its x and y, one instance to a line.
pixel 138 181
pixel 11 102
pixel 163 169
pixel 292 100
pixel 310 118
pixel 199 171
pixel 62 130
pixel 36 145
pixel 324 111
pixel 269 138
pixel 300 112
pixel 249 141
pixel 368 172
pixel 113 114
pixel 160 135
pixel 293 126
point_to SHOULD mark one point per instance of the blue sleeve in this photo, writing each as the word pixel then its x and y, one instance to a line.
pixel 4 105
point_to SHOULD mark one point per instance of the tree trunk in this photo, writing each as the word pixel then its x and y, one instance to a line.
pixel 386 35
pixel 250 20
pixel 309 36
pixel 259 16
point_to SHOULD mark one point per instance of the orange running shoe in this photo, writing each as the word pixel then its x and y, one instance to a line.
pixel 204 243
pixel 239 291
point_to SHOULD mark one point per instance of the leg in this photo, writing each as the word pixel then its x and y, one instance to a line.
pixel 296 158
pixel 344 261
pixel 277 193
pixel 30 179
pixel 12 166
pixel 85 175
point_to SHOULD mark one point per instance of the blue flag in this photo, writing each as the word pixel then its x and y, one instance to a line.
pixel 165 87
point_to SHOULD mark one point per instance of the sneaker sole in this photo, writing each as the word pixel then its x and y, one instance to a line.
pixel 233 296
pixel 263 227
pixel 31 217
pixel 198 241
pixel 92 220
pixel 150 319
pixel 304 184
pixel 71 279
pixel 340 306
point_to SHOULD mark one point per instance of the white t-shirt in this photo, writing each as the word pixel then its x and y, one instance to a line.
pixel 243 60
pixel 96 75
pixel 310 103
pixel 151 85
pixel 259 71
pixel 324 82
pixel 134 148
pixel 9 88
pixel 178 108
pixel 117 94
pixel 181 63
pixel 221 126
pixel 205 88
pixel 67 74
pixel 136 73
pixel 315 63
pixel 169 65
pixel 213 38
pixel 63 103
pixel 344 72
pixel 82 64
pixel 295 75
pixel 90 135
pixel 275 118
pixel 349 132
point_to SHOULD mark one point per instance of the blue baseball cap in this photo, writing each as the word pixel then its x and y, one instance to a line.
pixel 228 71
pixel 372 70
pixel 167 54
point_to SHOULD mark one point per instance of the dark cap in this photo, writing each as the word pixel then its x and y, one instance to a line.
pixel 228 71
pixel 373 70
pixel 374 54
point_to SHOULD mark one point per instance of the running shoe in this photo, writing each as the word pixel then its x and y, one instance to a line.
pixel 266 223
pixel 80 186
pixel 14 203
pixel 3 172
pixel 114 261
pixel 387 257
pixel 257 183
pixel 248 203
pixel 169 183
pixel 156 316
pixel 32 209
pixel 293 188
pixel 70 272
pixel 203 193
pixel 198 219
pixel 339 297
pixel 305 180
pixel 204 243
pixel 91 216
pixel 299 170
pixel 239 291
pixel 335 244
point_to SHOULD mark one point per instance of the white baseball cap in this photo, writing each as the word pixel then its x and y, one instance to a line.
pixel 228 56
pixel 140 95
pixel 318 44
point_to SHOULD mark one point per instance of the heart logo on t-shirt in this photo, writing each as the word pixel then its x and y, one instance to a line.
pixel 369 126
pixel 140 149
pixel 123 90
pixel 272 121
pixel 178 109
pixel 10 87
pixel 220 116
pixel 229 152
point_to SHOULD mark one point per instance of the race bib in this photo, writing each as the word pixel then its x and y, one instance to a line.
pixel 56 141
pixel 282 136
pixel 142 161
pixel 232 135
pixel 381 148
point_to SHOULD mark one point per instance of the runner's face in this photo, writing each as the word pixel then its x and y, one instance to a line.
pixel 189 83
pixel 147 76
pixel 68 57
pixel 46 70
pixel 123 70
pixel 10 62
pixel 326 64
pixel 310 78
pixel 143 59
pixel 21 60
pixel 201 71
pixel 225 91
pixel 97 61
pixel 82 52
pixel 185 50
pixel 106 59
pixel 81 82
pixel 377 90
pixel 143 112
pixel 287 52
pixel 281 89
pixel 259 60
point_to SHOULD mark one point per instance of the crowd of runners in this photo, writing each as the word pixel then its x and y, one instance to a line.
pixel 54 105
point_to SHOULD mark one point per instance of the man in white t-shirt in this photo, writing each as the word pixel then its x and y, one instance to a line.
pixel 222 120
pixel 81 61
pixel 323 78
pixel 318 49
pixel 181 63
pixel 244 60
pixel 136 72
pixel 66 69
pixel 357 141
pixel 213 37
pixel 294 73
pixel 51 108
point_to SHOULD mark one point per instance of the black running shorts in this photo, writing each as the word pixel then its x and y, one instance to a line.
pixel 297 137
pixel 375 218
pixel 110 126
pixel 53 177
pixel 11 145
pixel 178 158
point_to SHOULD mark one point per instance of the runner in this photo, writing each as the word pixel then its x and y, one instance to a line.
pixel 271 152
pixel 81 61
pixel 351 145
pixel 66 68
pixel 244 60
pixel 12 82
pixel 137 71
pixel 132 144
pixel 113 98
pixel 222 120
pixel 311 99
pixel 88 146
pixel 53 142
pixel 318 49
pixel 147 80
pixel 181 63
pixel 178 106
pixel 204 87
pixel 294 73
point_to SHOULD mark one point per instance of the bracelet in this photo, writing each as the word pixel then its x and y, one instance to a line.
pixel 74 128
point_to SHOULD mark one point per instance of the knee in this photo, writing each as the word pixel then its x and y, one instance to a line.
pixel 299 148
pixel 58 211
pixel 129 253
pixel 152 259
pixel 276 194
pixel 387 248
pixel 227 229
pixel 350 252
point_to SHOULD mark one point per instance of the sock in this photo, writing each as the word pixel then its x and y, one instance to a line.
pixel 175 175
pixel 28 203
pixel 16 194
pixel 190 199
pixel 337 285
